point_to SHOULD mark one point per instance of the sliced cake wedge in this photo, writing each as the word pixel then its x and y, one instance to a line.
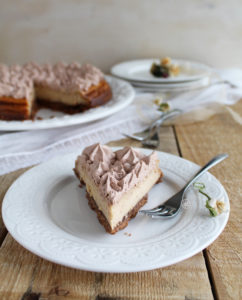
pixel 117 183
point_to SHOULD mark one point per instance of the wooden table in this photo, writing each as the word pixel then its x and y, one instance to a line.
pixel 214 273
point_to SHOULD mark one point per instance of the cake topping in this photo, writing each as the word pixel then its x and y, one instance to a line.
pixel 17 81
pixel 65 77
pixel 14 82
pixel 99 153
pixel 128 155
pixel 115 172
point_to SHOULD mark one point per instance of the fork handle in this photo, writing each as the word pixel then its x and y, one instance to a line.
pixel 157 123
pixel 165 116
pixel 214 161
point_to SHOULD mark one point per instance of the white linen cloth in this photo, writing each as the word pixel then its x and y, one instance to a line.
pixel 23 149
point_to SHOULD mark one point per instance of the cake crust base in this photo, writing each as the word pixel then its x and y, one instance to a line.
pixel 121 225
pixel 14 109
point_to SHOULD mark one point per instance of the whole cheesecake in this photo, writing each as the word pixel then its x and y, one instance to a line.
pixel 69 88
pixel 117 183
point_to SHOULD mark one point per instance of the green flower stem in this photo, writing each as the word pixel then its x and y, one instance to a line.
pixel 200 187
pixel 203 193
pixel 212 211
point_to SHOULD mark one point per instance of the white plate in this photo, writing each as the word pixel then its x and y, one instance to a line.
pixel 48 214
pixel 123 95
pixel 139 70
pixel 173 86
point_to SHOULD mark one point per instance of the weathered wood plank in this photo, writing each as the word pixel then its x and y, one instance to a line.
pixel 24 275
pixel 199 142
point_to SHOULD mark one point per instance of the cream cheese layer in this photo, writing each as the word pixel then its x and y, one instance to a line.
pixel 115 172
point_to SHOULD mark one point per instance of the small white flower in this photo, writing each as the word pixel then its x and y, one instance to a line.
pixel 216 206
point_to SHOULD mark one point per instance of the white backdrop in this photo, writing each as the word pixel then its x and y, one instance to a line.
pixel 104 32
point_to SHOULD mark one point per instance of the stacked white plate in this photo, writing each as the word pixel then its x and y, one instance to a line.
pixel 137 72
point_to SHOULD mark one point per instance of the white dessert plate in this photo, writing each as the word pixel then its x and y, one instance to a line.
pixel 123 95
pixel 139 71
pixel 189 85
pixel 47 213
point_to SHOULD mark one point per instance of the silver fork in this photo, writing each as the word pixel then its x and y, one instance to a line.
pixel 153 141
pixel 152 129
pixel 172 206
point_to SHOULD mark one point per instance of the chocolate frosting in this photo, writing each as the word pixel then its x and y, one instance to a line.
pixel 115 172
pixel 18 81
pixel 14 82
pixel 65 77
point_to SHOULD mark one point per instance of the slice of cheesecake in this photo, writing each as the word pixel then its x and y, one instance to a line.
pixel 117 183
